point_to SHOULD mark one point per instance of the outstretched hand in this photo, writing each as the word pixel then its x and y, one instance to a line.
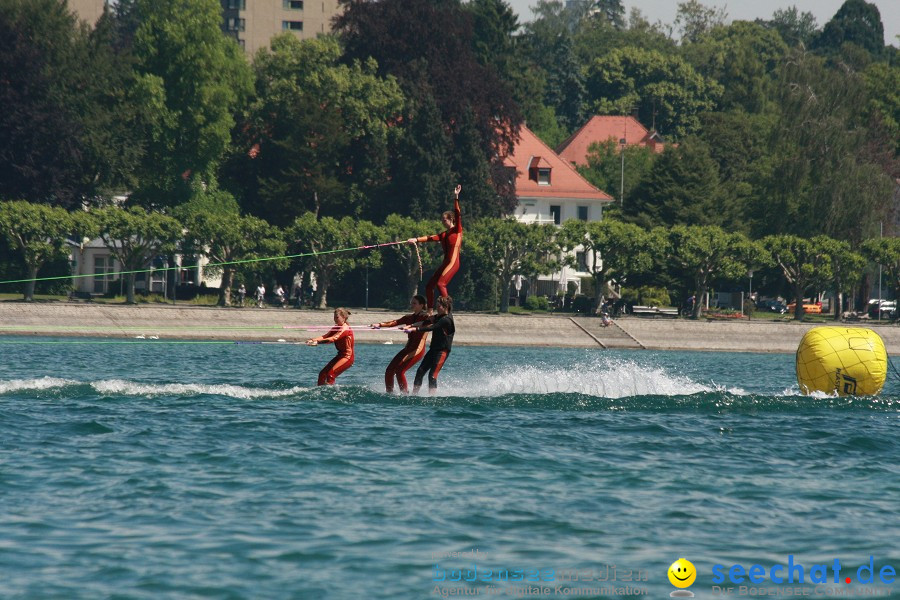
pixel 457 191
pixel 312 342
pixel 375 326
pixel 412 241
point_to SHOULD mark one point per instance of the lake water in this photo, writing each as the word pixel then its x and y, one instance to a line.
pixel 153 469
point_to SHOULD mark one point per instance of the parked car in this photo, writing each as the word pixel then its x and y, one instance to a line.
pixel 772 306
pixel 888 309
pixel 810 308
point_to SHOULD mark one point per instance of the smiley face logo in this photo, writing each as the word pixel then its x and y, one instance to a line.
pixel 682 573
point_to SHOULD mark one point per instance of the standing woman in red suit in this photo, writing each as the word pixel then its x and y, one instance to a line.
pixel 341 335
pixel 451 242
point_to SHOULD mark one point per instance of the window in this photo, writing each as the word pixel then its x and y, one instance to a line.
pixel 582 213
pixel 292 25
pixel 292 4
pixel 556 211
pixel 235 24
pixel 237 4
pixel 543 176
pixel 581 261
pixel 103 269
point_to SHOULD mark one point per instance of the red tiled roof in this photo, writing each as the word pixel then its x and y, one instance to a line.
pixel 602 127
pixel 565 182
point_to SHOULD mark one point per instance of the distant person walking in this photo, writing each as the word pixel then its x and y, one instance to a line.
pixel 242 295
pixel 260 295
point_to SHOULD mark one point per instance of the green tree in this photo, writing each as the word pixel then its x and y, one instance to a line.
pixel 794 27
pixel 667 92
pixel 857 22
pixel 695 19
pixel 882 83
pixel 190 81
pixel 613 250
pixel 321 129
pixel 227 237
pixel 326 241
pixel 707 253
pixel 38 232
pixel 64 137
pixel 847 268
pixel 404 258
pixel 605 167
pixel 682 187
pixel 134 236
pixel 513 248
pixel 886 252
pixel 803 262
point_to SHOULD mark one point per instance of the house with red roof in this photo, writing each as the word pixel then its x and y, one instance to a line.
pixel 625 131
pixel 550 190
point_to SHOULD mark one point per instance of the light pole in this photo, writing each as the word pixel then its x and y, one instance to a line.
pixel 622 181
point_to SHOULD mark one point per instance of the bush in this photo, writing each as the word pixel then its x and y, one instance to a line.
pixel 537 303
pixel 648 296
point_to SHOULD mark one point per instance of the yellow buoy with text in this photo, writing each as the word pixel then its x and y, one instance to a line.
pixel 846 361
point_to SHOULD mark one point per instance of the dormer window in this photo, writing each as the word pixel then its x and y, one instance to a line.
pixel 539 170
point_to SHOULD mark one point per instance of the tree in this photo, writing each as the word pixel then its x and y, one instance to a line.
pixel 428 46
pixel 411 259
pixel 695 20
pixel 134 236
pixel 885 252
pixel 330 246
pixel 804 262
pixel 794 27
pixel 882 83
pixel 847 268
pixel 63 136
pixel 227 237
pixel 682 187
pixel 667 92
pixel 38 232
pixel 190 81
pixel 604 168
pixel 707 253
pixel 513 248
pixel 857 22
pixel 319 129
pixel 610 11
pixel 613 250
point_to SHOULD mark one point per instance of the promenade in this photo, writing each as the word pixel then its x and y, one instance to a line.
pixel 273 324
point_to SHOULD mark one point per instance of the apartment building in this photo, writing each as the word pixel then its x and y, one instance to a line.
pixel 254 22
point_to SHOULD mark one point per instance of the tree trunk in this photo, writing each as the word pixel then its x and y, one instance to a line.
pixel 504 293
pixel 838 304
pixel 321 298
pixel 129 288
pixel 413 275
pixel 225 291
pixel 29 285
pixel 798 303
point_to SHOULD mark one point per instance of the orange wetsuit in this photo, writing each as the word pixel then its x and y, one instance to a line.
pixel 451 242
pixel 342 337
pixel 410 355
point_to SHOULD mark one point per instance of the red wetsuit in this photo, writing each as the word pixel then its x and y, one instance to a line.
pixel 342 337
pixel 451 242
pixel 410 355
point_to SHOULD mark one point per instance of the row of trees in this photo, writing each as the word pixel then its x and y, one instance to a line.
pixel 690 259
pixel 779 123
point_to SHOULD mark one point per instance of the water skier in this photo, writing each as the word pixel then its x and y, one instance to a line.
pixel 441 342
pixel 341 335
pixel 414 349
pixel 451 242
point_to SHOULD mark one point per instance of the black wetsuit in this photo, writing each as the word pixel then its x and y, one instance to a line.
pixel 441 341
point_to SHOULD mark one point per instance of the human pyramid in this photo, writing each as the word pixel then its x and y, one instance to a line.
pixel 427 315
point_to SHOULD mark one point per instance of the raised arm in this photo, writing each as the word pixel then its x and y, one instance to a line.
pixel 458 226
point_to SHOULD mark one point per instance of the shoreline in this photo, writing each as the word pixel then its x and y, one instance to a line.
pixel 75 319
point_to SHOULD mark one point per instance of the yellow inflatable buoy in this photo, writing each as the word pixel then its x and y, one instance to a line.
pixel 847 361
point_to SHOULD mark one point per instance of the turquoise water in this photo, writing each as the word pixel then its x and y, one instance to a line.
pixel 147 469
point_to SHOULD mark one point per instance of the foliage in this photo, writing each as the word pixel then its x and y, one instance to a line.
pixel 665 89
pixel 804 262
pixel 404 258
pixel 614 251
pixel 37 232
pixel 695 19
pixel 512 248
pixel 189 81
pixel 707 253
pixel 134 236
pixel 605 164
pixel 885 252
pixel 857 22
pixel 537 303
pixel 794 27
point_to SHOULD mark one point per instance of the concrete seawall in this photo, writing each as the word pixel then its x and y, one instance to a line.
pixel 272 324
